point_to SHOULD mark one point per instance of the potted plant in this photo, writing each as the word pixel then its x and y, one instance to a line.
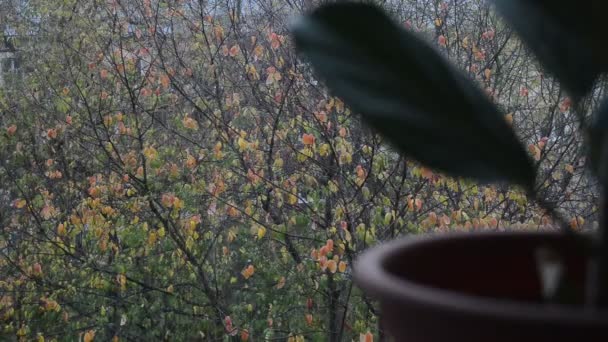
pixel 523 286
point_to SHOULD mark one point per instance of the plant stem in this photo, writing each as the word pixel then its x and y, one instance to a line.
pixel 562 222
pixel 598 270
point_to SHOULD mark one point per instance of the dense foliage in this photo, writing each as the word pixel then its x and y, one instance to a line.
pixel 171 170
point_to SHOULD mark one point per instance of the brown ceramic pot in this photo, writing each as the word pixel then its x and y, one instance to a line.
pixel 474 287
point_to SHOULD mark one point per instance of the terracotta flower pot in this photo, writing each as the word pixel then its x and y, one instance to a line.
pixel 475 287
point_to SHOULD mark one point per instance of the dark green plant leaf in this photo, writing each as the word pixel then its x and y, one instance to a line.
pixel 598 143
pixel 567 37
pixel 410 94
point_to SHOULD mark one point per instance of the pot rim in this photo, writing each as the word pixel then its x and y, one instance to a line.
pixel 371 275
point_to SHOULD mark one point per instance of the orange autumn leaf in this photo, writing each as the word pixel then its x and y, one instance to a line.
pixel 314 254
pixel 19 203
pixel 218 32
pixel 323 263
pixel 564 106
pixel 321 116
pixel 442 40
pixel 51 133
pixel 37 269
pixel 168 200
pixel 577 222
pixel 11 130
pixel 89 336
pixel 61 229
pixel 432 218
pixel 273 75
pixel 308 139
pixel 535 151
pixel 426 173
pixel 234 51
pixel 244 335
pixel 190 123
pixel 309 319
pixel 569 168
pixel 281 283
pixel 258 52
pixel 330 245
pixel 165 81
pixel 487 73
pixel 332 266
pixel 368 337
pixel 418 204
pixel 190 162
pixel 488 35
pixel 360 171
pixel 248 272
pixel 445 220
pixel 232 211
pixel 275 40
pixel 542 142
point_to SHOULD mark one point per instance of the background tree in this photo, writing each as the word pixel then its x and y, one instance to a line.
pixel 171 170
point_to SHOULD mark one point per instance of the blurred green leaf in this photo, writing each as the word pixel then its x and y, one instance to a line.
pixel 410 94
pixel 568 38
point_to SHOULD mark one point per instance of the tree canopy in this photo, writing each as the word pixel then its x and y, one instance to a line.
pixel 171 170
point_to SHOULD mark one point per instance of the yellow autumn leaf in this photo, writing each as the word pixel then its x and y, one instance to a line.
pixel 178 204
pixel 252 71
pixel 569 168
pixel 347 236
pixel 465 42
pixel 152 238
pixel 261 232
pixel 150 153
pixel 122 281
pixel 20 203
pixel 243 144
pixel 231 236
